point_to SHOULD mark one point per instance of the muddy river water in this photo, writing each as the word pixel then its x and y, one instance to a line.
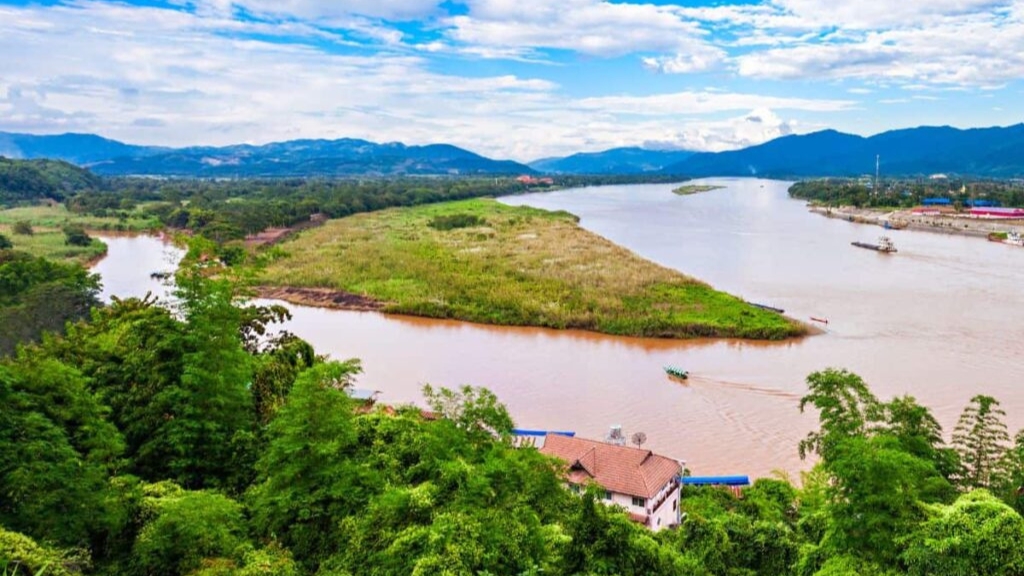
pixel 942 320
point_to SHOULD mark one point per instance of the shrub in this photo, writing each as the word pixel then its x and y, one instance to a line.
pixel 76 236
pixel 5 243
pixel 453 221
pixel 23 227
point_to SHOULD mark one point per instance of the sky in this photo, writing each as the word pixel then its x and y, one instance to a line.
pixel 518 79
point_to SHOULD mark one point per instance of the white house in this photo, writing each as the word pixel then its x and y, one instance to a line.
pixel 642 482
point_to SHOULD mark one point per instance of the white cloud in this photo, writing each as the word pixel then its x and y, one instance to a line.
pixel 325 10
pixel 151 75
pixel 756 127
pixel 689 103
pixel 591 27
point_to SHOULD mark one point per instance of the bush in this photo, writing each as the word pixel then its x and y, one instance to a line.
pixel 5 243
pixel 453 221
pixel 23 227
pixel 76 236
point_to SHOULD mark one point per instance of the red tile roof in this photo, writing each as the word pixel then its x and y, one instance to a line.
pixel 621 469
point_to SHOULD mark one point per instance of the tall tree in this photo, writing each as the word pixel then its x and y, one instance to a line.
pixel 980 437
pixel 307 478
pixel 846 408
pixel 920 434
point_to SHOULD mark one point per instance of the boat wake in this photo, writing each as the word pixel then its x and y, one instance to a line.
pixel 695 381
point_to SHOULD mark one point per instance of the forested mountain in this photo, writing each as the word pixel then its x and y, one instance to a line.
pixel 79 149
pixel 343 157
pixel 631 160
pixel 27 180
pixel 990 152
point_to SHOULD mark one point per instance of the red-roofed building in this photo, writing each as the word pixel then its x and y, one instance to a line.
pixel 642 482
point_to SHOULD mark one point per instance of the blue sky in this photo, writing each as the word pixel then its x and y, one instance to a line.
pixel 517 79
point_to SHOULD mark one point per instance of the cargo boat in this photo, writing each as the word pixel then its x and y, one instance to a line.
pixel 884 245
pixel 1011 238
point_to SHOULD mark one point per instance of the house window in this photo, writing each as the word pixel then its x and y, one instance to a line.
pixel 607 495
pixel 675 504
pixel 639 502
pixel 575 488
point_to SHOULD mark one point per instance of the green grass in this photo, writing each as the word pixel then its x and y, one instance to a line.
pixel 524 267
pixel 688 189
pixel 57 216
pixel 49 243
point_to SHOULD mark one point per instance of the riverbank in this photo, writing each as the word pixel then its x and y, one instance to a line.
pixel 905 219
pixel 50 243
pixel 486 262
pixel 687 189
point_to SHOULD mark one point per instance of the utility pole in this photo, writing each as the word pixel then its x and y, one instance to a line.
pixel 878 158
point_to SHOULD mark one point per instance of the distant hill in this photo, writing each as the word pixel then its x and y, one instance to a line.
pixel 631 160
pixel 81 149
pixel 344 157
pixel 991 152
pixel 30 180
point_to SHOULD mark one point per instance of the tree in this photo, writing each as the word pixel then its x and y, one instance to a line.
pixel 845 407
pixel 980 437
pixel 475 410
pixel 5 243
pixel 38 295
pixel 76 236
pixel 22 556
pixel 1009 483
pixel 875 496
pixel 977 534
pixel 920 434
pixel 307 481
pixel 216 375
pixel 184 528
pixel 55 452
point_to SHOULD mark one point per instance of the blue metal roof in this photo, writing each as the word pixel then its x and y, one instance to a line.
pixel 936 202
pixel 715 480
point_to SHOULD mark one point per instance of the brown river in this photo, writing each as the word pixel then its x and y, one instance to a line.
pixel 941 320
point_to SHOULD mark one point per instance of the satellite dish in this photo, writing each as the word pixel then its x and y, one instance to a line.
pixel 639 438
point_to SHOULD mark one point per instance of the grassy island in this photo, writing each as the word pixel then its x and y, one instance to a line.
pixel 482 261
pixel 688 189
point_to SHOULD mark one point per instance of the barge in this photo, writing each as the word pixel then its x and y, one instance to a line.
pixel 884 245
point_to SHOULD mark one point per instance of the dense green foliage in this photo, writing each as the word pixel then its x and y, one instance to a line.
pixel 197 442
pixel 29 180
pixel 906 193
pixel 453 221
pixel 38 295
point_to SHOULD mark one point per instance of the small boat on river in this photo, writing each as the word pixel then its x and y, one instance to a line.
pixel 767 307
pixel 677 372
pixel 160 275
pixel 884 245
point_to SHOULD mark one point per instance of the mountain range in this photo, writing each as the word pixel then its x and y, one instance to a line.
pixel 991 152
pixel 631 160
pixel 988 152
pixel 343 157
